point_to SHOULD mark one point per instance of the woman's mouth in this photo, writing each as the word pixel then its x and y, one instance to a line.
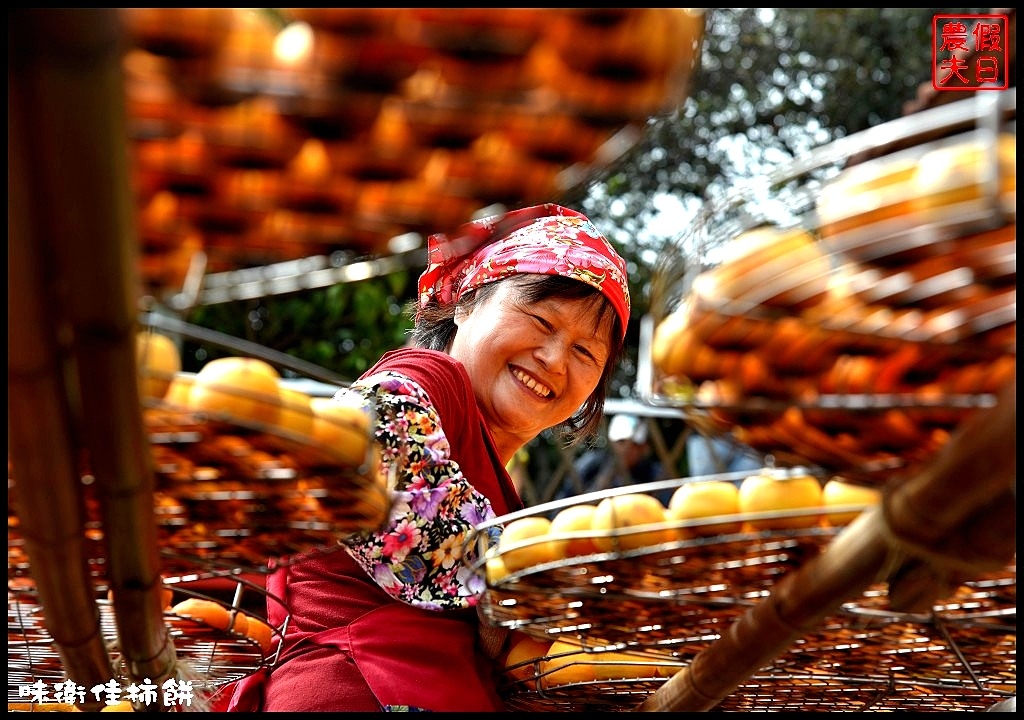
pixel 539 389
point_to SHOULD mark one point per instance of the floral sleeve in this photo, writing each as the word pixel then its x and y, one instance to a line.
pixel 417 556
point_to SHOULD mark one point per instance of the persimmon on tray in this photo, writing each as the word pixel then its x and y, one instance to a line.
pixel 215 642
pixel 232 493
pixel 849 317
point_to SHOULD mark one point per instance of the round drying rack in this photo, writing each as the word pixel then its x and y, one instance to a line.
pixel 655 608
pixel 866 356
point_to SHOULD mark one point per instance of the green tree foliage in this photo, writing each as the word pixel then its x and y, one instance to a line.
pixel 343 328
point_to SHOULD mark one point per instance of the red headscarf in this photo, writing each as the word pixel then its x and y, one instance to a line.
pixel 544 239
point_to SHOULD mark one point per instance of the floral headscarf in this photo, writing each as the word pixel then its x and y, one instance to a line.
pixel 544 239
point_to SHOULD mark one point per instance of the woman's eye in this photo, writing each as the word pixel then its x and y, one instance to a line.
pixel 542 322
pixel 583 350
pixel 586 352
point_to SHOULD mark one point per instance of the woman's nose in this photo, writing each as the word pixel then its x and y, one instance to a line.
pixel 552 354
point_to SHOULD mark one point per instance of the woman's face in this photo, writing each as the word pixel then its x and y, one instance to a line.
pixel 532 366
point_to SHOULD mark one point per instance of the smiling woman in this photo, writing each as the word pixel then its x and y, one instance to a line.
pixel 520 321
pixel 534 363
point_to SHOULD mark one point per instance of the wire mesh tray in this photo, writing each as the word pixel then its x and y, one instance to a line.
pixel 234 496
pixel 210 656
pixel 674 580
pixel 961 657
pixel 230 496
pixel 620 597
pixel 888 665
pixel 638 592
pixel 848 317
pixel 169 424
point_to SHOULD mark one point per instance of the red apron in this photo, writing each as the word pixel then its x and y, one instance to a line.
pixel 354 648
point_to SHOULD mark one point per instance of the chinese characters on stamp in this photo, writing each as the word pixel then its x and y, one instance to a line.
pixel 969 52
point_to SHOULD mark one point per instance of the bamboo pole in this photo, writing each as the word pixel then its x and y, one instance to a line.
pixel 954 518
pixel 44 447
pixel 78 235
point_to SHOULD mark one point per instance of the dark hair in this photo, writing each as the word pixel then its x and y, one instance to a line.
pixel 434 328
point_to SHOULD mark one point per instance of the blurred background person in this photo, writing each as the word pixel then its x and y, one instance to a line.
pixel 711 455
pixel 627 459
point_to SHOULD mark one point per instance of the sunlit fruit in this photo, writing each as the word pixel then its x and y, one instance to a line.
pixel 262 633
pixel 777 491
pixel 569 521
pixel 207 611
pixel 709 498
pixel 959 172
pixel 223 618
pixel 622 513
pixel 566 663
pixel 626 664
pixel 667 336
pixel 296 412
pixel 157 359
pixel 119 706
pixel 244 388
pixel 495 569
pixel 180 390
pixel 240 623
pixel 758 258
pixel 838 491
pixel 523 543
pixel 523 649
pixel 341 427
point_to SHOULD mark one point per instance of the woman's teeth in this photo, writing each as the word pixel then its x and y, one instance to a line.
pixel 540 389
